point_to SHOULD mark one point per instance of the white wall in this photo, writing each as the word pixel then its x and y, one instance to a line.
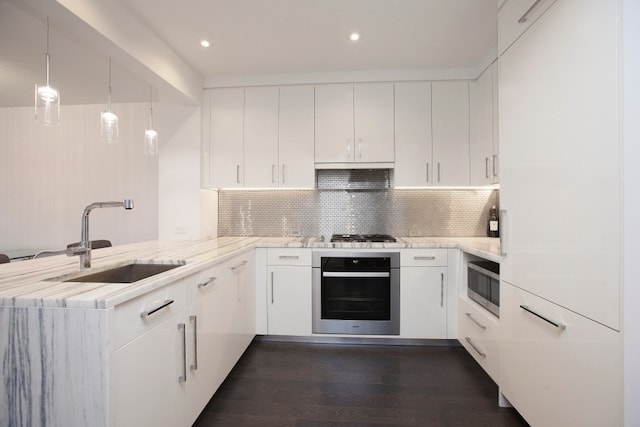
pixel 179 129
pixel 49 174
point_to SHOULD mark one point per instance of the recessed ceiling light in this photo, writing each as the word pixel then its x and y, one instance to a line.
pixel 354 36
pixel 205 43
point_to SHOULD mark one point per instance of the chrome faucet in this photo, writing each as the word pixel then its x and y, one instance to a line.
pixel 84 250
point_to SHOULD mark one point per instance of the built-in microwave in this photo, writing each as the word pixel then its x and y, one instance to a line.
pixel 483 284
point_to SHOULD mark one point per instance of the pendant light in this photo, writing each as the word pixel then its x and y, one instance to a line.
pixel 150 135
pixel 108 120
pixel 47 98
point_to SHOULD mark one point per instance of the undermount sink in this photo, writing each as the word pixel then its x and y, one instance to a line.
pixel 127 273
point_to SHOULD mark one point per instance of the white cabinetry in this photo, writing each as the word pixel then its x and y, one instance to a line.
pixel 483 135
pixel 296 139
pixel 450 130
pixel 289 291
pixel 423 293
pixel 226 154
pixel 479 333
pixel 413 144
pixel 261 136
pixel 515 17
pixel 567 374
pixel 353 124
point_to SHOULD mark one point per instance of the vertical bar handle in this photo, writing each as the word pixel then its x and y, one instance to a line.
pixel 359 148
pixel 194 365
pixel 273 174
pixel 486 167
pixel 441 289
pixel 283 176
pixel 495 165
pixel 237 174
pixel 183 378
pixel 438 171
pixel 272 297
pixel 427 172
pixel 503 232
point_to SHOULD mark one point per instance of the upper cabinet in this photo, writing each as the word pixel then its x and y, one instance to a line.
pixel 515 17
pixel 483 130
pixel 261 136
pixel 354 124
pixel 450 130
pixel 226 156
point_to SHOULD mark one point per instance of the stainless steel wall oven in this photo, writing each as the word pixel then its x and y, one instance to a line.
pixel 356 292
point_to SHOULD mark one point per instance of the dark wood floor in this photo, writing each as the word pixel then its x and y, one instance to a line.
pixel 311 385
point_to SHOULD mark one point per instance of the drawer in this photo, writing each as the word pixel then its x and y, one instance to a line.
pixel 479 333
pixel 515 17
pixel 576 362
pixel 135 317
pixel 288 256
pixel 423 258
pixel 202 283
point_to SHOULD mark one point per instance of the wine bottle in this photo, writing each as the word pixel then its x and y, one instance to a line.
pixel 493 223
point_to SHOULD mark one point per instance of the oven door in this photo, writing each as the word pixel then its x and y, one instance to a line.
pixel 356 295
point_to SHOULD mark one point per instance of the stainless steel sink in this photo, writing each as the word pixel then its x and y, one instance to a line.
pixel 127 273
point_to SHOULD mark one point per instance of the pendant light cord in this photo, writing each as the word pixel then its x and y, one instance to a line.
pixel 47 55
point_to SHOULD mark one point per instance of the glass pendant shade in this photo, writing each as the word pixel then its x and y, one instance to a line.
pixel 150 135
pixel 47 98
pixel 108 120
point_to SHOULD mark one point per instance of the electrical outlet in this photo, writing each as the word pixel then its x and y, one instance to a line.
pixel 295 233
pixel 181 229
pixel 415 233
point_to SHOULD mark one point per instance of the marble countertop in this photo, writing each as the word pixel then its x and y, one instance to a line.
pixel 29 284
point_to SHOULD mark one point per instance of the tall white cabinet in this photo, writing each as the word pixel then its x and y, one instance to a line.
pixel 483 129
pixel 561 221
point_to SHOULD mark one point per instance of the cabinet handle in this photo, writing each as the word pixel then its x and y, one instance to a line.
pixel 288 256
pixel 424 258
pixel 556 324
pixel 441 289
pixel 148 313
pixel 209 281
pixel 495 165
pixel 273 174
pixel 473 346
pixel 427 172
pixel 283 180
pixel 242 264
pixel 524 17
pixel 360 148
pixel 486 167
pixel 438 171
pixel 503 234
pixel 480 325
pixel 237 174
pixel 272 298
pixel 194 320
pixel 348 149
pixel 183 378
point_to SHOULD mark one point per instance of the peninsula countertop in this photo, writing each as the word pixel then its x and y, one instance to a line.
pixel 35 283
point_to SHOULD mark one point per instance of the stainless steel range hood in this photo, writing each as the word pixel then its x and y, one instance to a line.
pixel 353 179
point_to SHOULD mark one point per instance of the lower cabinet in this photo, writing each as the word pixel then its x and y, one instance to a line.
pixel 423 293
pixel 289 292
pixel 479 333
pixel 558 368
pixel 176 345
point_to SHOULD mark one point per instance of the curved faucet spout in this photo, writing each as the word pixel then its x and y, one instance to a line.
pixel 85 242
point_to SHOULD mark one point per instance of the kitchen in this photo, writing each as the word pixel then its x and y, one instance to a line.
pixel 179 182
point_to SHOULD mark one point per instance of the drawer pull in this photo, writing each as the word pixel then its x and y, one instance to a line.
pixel 424 258
pixel 524 17
pixel 495 165
pixel 209 281
pixel 183 378
pixel 289 256
pixel 473 346
pixel 480 325
pixel 272 297
pixel 242 264
pixel 441 289
pixel 148 313
pixel 194 320
pixel 556 324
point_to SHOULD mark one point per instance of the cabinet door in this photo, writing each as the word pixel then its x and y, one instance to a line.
pixel 261 137
pixel 296 143
pixel 450 121
pixel 560 151
pixel 555 376
pixel 373 122
pixel 289 300
pixel 226 154
pixel 334 123
pixel 481 128
pixel 146 377
pixel 423 302
pixel 413 145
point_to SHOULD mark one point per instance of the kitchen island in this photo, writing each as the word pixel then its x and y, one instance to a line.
pixel 105 354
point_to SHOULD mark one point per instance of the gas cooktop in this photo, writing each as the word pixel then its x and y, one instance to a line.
pixel 380 238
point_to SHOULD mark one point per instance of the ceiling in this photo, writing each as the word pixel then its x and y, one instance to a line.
pixel 251 37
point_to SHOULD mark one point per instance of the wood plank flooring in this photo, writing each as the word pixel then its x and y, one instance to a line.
pixel 313 385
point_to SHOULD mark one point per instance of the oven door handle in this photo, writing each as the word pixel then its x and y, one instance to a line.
pixel 355 274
